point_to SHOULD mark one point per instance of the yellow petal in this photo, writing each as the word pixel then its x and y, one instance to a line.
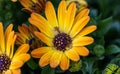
pixel 82 14
pixel 44 38
pixel 8 72
pixel 50 14
pixel 2 40
pixel 26 3
pixel 22 57
pixel 8 30
pixel 41 25
pixel 82 41
pixel 61 15
pixel 79 26
pixel 55 59
pixel 87 30
pixel 64 64
pixel 72 54
pixel 22 49
pixel 45 59
pixel 69 18
pixel 16 71
pixel 16 64
pixel 82 51
pixel 37 53
pixel 9 41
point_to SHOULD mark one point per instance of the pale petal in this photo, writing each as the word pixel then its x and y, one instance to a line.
pixel 55 58
pixel 64 64
pixel 50 14
pixel 82 41
pixel 45 59
pixel 69 18
pixel 72 54
pixel 44 38
pixel 79 25
pixel 82 51
pixel 37 53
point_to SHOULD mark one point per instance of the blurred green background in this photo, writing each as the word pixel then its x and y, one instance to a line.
pixel 104 52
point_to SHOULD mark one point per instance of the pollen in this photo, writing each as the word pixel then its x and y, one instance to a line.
pixel 5 62
pixel 61 41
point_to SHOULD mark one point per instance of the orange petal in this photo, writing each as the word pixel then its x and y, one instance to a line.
pixel 16 64
pixel 50 14
pixel 16 71
pixel 78 26
pixel 70 15
pixel 2 40
pixel 61 15
pixel 37 53
pixel 72 54
pixel 22 57
pixel 82 51
pixel 64 64
pixel 26 3
pixel 44 38
pixel 81 14
pixel 45 59
pixel 55 59
pixel 82 41
pixel 8 72
pixel 22 49
pixel 87 30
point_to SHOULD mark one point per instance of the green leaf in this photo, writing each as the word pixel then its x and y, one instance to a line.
pixel 32 64
pixel 47 70
pixel 112 49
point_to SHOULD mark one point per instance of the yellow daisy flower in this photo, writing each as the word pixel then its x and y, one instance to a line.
pixel 10 63
pixel 64 34
pixel 33 5
pixel 26 36
pixel 80 4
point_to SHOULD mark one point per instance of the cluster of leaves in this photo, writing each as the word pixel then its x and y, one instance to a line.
pixel 104 52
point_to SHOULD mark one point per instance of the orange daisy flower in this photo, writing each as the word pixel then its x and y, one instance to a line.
pixel 64 34
pixel 33 5
pixel 10 63
pixel 26 36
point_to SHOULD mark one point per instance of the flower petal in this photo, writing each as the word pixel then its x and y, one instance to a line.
pixel 87 30
pixel 8 30
pixel 50 14
pixel 79 26
pixel 70 17
pixel 45 59
pixel 72 54
pixel 22 57
pixel 82 51
pixel 61 15
pixel 16 71
pixel 64 64
pixel 44 38
pixel 26 3
pixel 55 59
pixel 2 40
pixel 82 14
pixel 37 53
pixel 22 49
pixel 82 41
pixel 16 64
pixel 8 72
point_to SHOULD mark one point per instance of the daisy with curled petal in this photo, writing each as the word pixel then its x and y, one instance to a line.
pixel 26 36
pixel 64 34
pixel 10 63
pixel 33 5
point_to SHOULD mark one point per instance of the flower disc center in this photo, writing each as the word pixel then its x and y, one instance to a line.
pixel 5 62
pixel 61 41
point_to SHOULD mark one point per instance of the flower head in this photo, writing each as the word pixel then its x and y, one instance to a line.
pixel 26 36
pixel 10 63
pixel 33 5
pixel 64 34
